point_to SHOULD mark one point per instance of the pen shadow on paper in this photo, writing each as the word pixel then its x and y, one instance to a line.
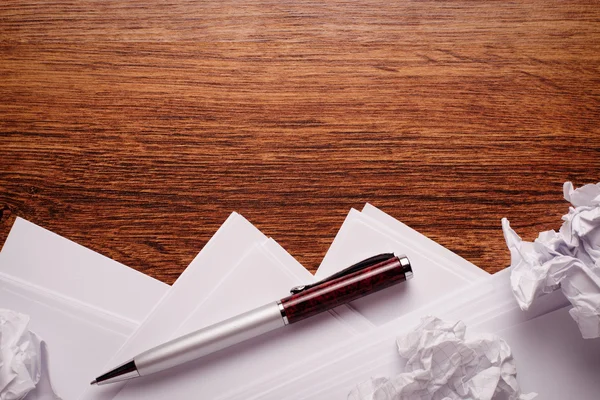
pixel 386 305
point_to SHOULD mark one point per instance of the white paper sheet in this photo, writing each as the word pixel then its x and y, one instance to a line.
pixel 553 359
pixel 419 242
pixel 360 237
pixel 79 302
pixel 44 259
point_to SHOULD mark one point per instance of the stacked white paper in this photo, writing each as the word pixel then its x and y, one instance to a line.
pixel 95 313
pixel 83 305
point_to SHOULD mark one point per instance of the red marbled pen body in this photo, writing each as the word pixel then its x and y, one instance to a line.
pixel 344 289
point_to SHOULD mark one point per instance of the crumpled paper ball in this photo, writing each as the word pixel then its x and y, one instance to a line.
pixel 20 356
pixel 22 364
pixel 568 260
pixel 441 364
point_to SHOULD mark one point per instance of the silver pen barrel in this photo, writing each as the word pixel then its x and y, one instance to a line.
pixel 200 343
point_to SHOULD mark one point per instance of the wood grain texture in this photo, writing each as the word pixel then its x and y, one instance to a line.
pixel 135 127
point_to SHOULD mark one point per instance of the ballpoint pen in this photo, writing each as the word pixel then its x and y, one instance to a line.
pixel 363 278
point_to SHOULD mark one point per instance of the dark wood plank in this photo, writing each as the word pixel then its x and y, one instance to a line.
pixel 135 128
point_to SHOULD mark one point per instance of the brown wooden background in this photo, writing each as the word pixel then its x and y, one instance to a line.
pixel 135 127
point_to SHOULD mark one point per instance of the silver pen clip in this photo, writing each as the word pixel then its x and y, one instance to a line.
pixel 346 271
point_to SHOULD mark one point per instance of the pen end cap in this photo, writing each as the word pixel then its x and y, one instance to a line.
pixel 407 267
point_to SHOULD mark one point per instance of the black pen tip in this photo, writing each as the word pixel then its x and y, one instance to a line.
pixel 93 382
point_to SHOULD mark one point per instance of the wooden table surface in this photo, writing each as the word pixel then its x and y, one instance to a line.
pixel 135 127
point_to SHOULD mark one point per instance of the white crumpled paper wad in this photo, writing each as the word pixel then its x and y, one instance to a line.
pixel 568 259
pixel 22 364
pixel 441 364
